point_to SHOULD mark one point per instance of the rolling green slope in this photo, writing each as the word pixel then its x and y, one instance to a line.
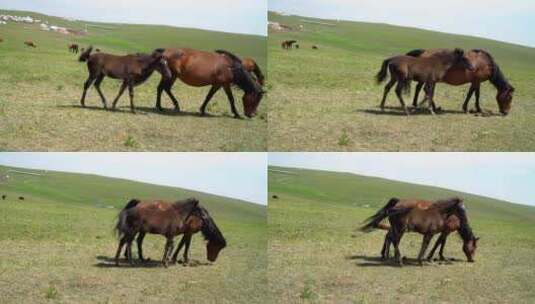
pixel 327 99
pixel 63 232
pixel 316 255
pixel 40 91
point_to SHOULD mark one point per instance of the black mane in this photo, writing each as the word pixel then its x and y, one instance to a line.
pixel 242 78
pixel 209 229
pixel 496 78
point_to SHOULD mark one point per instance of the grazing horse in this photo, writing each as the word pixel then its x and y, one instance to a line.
pixel 4 197
pixel 21 198
pixel 133 70
pixel 314 47
pixel 287 44
pixel 73 48
pixel 403 69
pixel 219 69
pixel 252 67
pixel 185 217
pixel 1 40
pixel 485 69
pixel 30 44
pixel 427 220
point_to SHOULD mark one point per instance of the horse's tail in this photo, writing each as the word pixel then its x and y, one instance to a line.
pixel 85 55
pixel 209 229
pixel 121 226
pixel 241 77
pixel 381 75
pixel 375 220
pixel 415 53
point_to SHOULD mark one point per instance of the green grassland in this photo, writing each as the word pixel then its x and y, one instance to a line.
pixel 56 245
pixel 40 91
pixel 316 255
pixel 327 99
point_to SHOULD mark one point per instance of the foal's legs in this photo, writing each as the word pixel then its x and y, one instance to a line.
pixel 430 92
pixel 97 86
pixel 167 251
pixel 467 100
pixel 87 84
pixel 131 93
pixel 121 244
pixel 166 85
pixel 442 245
pixel 388 86
pixel 186 250
pixel 230 97
pixel 399 91
pixel 121 91
pixel 397 239
pixel 478 108
pixel 437 243
pixel 178 248
pixel 416 94
pixel 211 93
pixel 385 252
pixel 140 238
pixel 425 243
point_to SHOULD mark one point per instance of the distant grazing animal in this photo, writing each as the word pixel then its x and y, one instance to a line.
pixel 1 40
pixel 275 196
pixel 30 44
pixel 314 47
pixel 485 69
pixel 426 220
pixel 430 70
pixel 287 44
pixel 297 46
pixel 73 48
pixel 219 69
pixel 21 198
pixel 4 197
pixel 97 50
pixel 252 67
pixel 133 70
pixel 185 217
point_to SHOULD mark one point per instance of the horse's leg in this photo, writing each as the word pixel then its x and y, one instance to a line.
pixel 478 108
pixel 119 249
pixel 131 93
pixel 168 249
pixel 87 84
pixel 121 91
pixel 166 85
pixel 386 245
pixel 425 243
pixel 399 91
pixel 180 245
pixel 388 86
pixel 140 238
pixel 186 250
pixel 230 97
pixel 467 100
pixel 129 240
pixel 438 242
pixel 416 94
pixel 442 245
pixel 97 86
pixel 213 90
pixel 430 91
pixel 167 89
pixel 397 239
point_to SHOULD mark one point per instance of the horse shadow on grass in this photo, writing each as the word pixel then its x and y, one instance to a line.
pixel 398 111
pixel 139 110
pixel 376 261
pixel 109 262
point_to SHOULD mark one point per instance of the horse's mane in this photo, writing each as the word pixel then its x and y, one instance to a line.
pixel 209 229
pixel 415 53
pixel 448 204
pixel 496 78
pixel 464 230
pixel 242 78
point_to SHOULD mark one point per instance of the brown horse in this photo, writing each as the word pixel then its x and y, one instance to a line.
pixel 30 44
pixel 219 69
pixel 252 67
pixel 426 220
pixel 403 69
pixel 314 47
pixel 185 217
pixel 287 44
pixel 485 69
pixel 1 40
pixel 73 48
pixel 132 69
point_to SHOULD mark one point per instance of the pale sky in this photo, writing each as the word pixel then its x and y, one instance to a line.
pixel 511 21
pixel 237 175
pixel 236 16
pixel 505 176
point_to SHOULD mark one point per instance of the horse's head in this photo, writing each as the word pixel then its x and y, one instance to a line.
pixel 461 61
pixel 251 101
pixel 161 64
pixel 469 248
pixel 505 98
pixel 216 241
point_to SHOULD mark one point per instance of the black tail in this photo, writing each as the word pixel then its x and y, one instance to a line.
pixel 415 53
pixel 209 229
pixel 374 220
pixel 120 226
pixel 381 75
pixel 241 76
pixel 85 55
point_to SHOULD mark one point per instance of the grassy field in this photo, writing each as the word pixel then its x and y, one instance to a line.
pixel 316 256
pixel 57 245
pixel 327 99
pixel 40 91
